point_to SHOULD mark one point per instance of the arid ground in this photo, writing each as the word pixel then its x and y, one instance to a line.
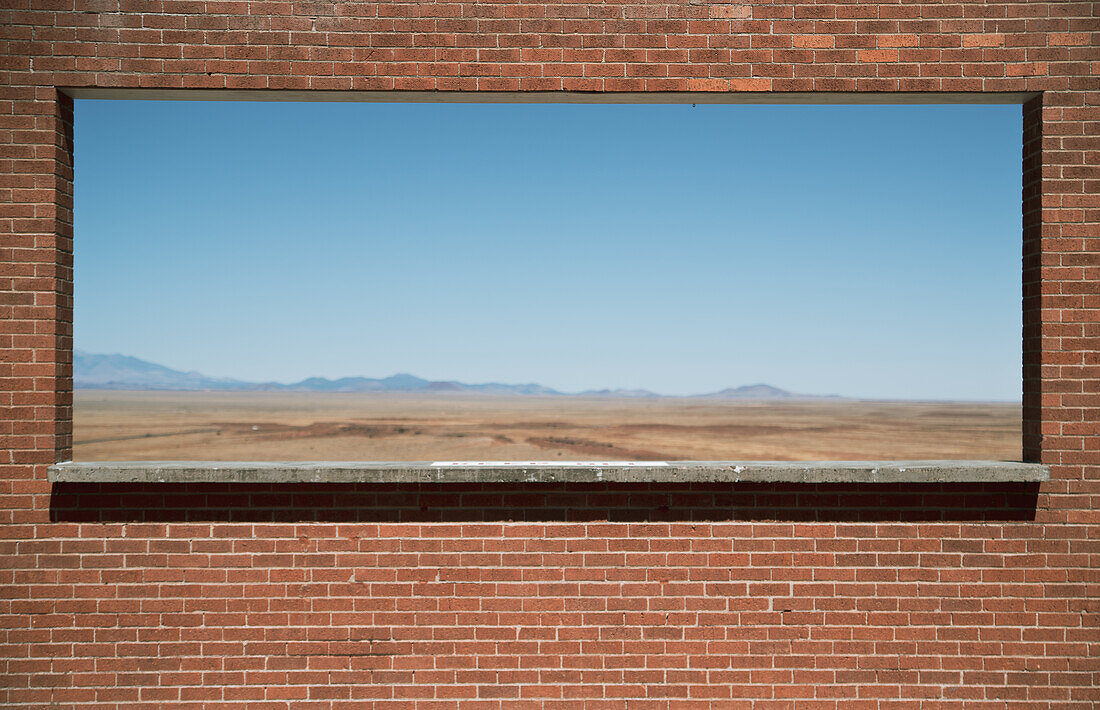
pixel 121 426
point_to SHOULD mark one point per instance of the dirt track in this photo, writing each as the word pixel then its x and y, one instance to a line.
pixel 277 426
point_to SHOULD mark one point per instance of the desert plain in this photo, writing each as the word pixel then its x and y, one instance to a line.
pixel 280 426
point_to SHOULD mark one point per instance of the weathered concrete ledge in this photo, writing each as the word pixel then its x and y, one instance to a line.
pixel 547 472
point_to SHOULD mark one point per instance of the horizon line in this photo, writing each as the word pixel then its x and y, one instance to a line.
pixel 643 392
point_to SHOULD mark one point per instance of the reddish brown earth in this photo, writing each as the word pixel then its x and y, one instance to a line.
pixel 349 427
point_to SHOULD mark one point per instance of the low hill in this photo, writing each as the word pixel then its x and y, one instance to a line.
pixel 123 372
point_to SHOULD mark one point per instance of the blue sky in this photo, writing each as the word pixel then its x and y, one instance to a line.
pixel 869 251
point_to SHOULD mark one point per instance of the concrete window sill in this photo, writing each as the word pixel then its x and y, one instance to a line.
pixel 548 472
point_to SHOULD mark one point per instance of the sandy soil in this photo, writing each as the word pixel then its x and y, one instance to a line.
pixel 119 426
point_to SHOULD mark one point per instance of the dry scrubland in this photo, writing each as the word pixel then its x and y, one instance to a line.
pixel 347 427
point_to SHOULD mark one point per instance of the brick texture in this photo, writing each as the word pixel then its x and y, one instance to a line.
pixel 537 596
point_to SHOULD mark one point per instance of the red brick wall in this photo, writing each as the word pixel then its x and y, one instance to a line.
pixel 919 596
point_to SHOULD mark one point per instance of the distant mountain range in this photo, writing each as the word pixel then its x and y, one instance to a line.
pixel 122 372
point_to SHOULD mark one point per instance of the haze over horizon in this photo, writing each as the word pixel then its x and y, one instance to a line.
pixel 119 371
pixel 868 251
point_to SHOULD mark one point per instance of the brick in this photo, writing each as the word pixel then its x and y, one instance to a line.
pixel 895 598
